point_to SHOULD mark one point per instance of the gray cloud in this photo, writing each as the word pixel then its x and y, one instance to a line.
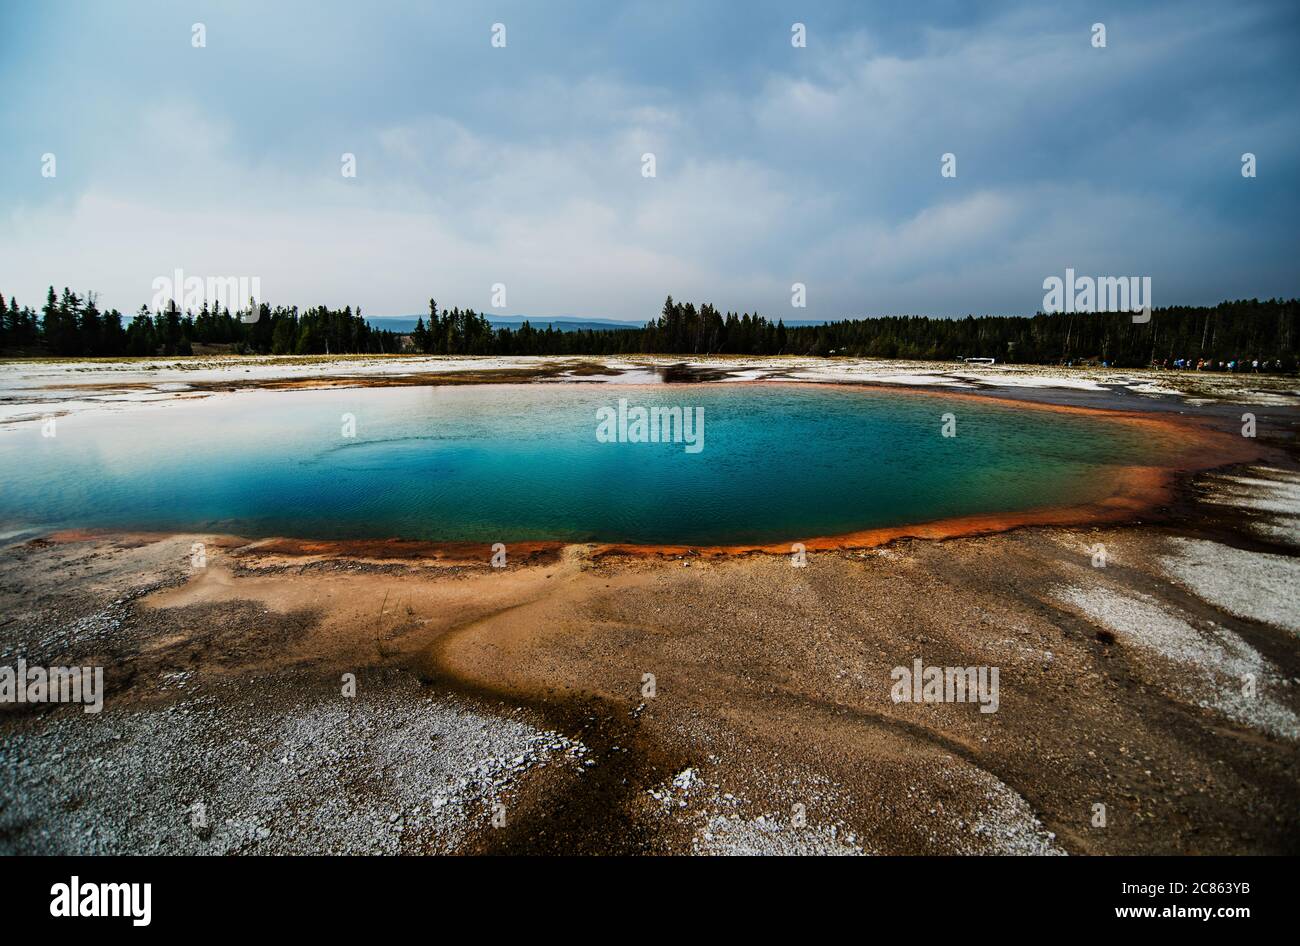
pixel 775 165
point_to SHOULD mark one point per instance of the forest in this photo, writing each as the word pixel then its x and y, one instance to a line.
pixel 1240 332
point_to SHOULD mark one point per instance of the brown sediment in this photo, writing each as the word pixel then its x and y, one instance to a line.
pixel 468 553
pixel 381 550
pixel 420 379
pixel 522 375
pixel 104 386
pixel 133 539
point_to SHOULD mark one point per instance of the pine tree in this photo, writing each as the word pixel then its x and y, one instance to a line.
pixel 90 330
pixel 50 320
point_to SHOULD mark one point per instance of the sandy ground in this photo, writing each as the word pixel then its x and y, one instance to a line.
pixel 510 710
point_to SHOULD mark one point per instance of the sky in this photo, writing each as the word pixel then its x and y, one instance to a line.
pixel 522 165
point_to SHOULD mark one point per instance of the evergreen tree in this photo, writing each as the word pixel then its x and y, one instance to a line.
pixel 90 330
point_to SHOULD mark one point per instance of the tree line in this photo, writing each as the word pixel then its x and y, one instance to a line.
pixel 73 326
pixel 1241 332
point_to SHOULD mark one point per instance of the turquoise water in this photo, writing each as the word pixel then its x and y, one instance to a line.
pixel 523 462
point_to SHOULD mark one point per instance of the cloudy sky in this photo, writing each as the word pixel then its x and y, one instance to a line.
pixel 774 164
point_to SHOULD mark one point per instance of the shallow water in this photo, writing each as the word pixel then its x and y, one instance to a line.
pixel 522 462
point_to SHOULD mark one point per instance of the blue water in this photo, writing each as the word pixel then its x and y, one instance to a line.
pixel 522 462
